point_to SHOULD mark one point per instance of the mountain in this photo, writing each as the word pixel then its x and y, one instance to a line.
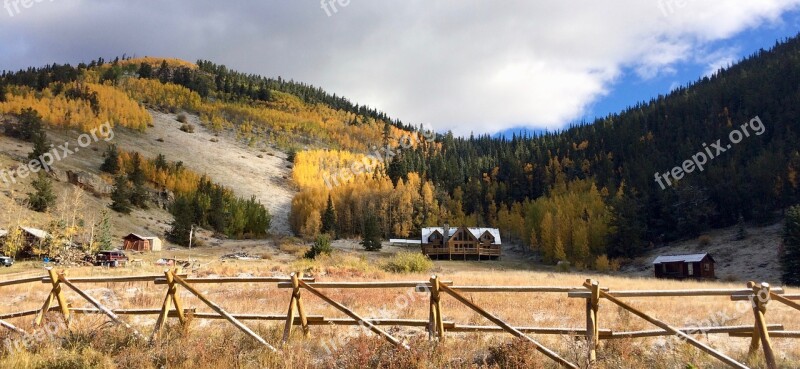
pixel 721 151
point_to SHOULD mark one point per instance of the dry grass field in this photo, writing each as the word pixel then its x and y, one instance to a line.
pixel 93 342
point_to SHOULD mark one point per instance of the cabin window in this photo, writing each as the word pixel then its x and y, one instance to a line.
pixel 691 269
pixel 707 267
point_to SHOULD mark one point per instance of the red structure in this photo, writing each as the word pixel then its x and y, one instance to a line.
pixel 692 266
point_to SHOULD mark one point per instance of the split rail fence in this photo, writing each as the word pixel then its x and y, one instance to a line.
pixel 759 295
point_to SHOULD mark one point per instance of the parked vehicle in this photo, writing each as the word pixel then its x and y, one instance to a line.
pixel 6 261
pixel 111 259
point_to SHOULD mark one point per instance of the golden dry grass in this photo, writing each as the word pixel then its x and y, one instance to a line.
pixel 92 343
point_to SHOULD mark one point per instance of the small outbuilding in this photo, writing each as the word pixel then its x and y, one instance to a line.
pixel 690 266
pixel 135 242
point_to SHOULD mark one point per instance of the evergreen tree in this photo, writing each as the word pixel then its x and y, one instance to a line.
pixel 329 218
pixel 741 230
pixel 161 162
pixel 628 229
pixel 111 161
pixel 43 197
pixel 121 195
pixel 30 123
pixel 371 237
pixel 790 249
pixel 184 219
pixel 104 236
pixel 137 177
pixel 322 245
pixel 40 144
pixel 145 70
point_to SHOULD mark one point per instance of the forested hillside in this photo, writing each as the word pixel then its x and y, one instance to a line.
pixel 590 190
pixel 582 195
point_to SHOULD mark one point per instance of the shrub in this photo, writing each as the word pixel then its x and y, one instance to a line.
pixel 615 265
pixel 408 262
pixel 602 264
pixel 322 245
pixel 704 240
pixel 182 118
pixel 518 354
pixel 188 128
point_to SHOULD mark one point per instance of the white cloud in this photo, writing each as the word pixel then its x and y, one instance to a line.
pixel 461 65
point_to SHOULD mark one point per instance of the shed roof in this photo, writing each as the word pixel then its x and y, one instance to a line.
pixel 135 237
pixel 688 258
pixel 38 233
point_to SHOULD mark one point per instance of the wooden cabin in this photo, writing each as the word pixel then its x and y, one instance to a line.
pixel 691 266
pixel 135 242
pixel 461 242
pixel 32 242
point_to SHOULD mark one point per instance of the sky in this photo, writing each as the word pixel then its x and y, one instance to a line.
pixel 466 66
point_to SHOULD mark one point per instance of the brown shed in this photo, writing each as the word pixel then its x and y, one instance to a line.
pixel 692 266
pixel 135 242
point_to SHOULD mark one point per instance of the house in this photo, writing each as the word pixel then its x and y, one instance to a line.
pixel 135 242
pixel 691 266
pixel 462 242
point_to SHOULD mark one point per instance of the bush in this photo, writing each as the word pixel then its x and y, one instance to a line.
pixel 408 262
pixel 517 354
pixel 563 266
pixel 188 128
pixel 322 245
pixel 602 264
pixel 182 118
pixel 704 240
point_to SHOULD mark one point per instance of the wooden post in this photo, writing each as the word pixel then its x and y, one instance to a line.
pixel 55 294
pixel 760 298
pixel 295 304
pixel 719 355
pixel 224 313
pixel 353 315
pixel 99 306
pixel 436 325
pixel 169 300
pixel 592 329
pixel 508 328
pixel 12 327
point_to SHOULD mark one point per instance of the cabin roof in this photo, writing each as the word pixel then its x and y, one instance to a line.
pixel 688 258
pixel 38 233
pixel 135 237
pixel 475 231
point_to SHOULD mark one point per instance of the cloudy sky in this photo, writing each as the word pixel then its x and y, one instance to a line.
pixel 461 65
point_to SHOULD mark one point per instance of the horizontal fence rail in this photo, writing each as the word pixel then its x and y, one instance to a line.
pixel 758 295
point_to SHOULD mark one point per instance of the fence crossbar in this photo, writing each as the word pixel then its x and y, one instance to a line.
pixel 709 350
pixel 353 315
pixel 222 312
pixel 508 328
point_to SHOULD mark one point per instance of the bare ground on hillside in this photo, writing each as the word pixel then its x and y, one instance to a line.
pixel 754 258
pixel 227 161
pixel 153 221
